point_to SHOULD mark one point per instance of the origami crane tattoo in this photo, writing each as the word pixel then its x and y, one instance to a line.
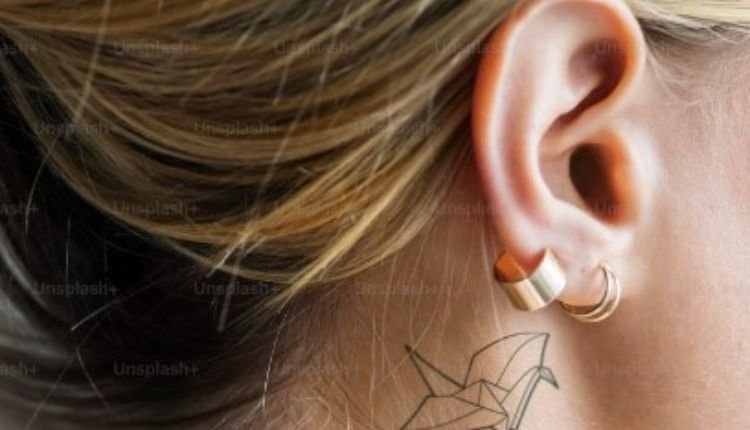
pixel 492 395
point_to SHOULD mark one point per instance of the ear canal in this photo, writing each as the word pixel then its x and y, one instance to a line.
pixel 600 176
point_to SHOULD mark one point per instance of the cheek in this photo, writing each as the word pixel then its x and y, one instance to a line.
pixel 695 296
pixel 738 177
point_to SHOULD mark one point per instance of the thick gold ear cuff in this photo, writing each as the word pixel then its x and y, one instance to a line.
pixel 535 291
pixel 545 284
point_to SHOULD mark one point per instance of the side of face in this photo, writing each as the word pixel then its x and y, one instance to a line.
pixel 583 145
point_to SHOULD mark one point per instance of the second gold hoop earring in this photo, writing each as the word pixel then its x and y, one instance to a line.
pixel 606 306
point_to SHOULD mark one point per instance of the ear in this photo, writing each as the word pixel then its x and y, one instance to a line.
pixel 559 167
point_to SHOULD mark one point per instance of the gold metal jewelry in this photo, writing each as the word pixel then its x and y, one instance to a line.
pixel 605 307
pixel 535 291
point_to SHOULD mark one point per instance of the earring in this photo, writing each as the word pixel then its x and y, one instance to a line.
pixel 535 291
pixel 546 283
pixel 605 307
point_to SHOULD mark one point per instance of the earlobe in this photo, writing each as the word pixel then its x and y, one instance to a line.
pixel 557 169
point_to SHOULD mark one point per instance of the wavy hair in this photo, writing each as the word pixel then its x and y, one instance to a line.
pixel 178 177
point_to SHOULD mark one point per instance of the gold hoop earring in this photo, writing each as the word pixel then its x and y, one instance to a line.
pixel 535 291
pixel 606 306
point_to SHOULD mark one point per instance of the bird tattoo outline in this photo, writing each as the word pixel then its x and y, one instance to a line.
pixel 491 396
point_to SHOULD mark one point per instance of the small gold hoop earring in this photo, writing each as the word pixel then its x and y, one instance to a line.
pixel 535 291
pixel 606 306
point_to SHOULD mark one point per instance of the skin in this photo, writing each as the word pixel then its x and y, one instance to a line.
pixel 674 355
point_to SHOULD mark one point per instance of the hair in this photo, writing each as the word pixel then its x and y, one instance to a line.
pixel 180 180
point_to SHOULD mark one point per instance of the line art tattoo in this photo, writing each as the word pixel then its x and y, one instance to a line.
pixel 492 395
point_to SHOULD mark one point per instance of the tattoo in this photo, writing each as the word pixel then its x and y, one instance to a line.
pixel 492 395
